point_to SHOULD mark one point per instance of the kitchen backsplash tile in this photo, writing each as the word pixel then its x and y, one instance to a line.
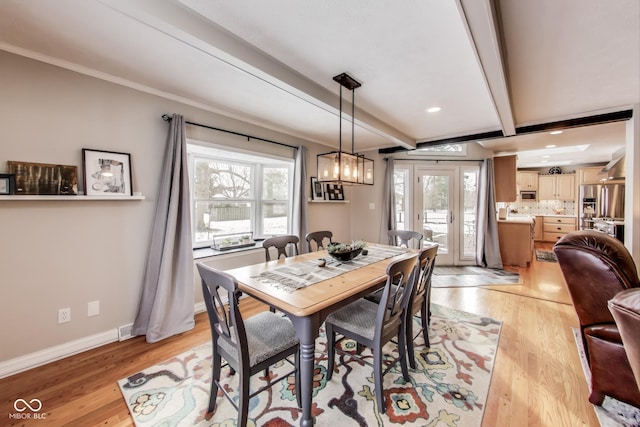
pixel 543 207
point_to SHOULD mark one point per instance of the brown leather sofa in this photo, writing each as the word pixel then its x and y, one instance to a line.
pixel 625 307
pixel 596 267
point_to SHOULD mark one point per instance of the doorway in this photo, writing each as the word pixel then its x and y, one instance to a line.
pixel 442 207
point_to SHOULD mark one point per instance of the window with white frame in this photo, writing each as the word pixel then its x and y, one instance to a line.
pixel 238 192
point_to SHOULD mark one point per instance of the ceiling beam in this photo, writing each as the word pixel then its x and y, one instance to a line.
pixel 482 23
pixel 178 21
pixel 595 119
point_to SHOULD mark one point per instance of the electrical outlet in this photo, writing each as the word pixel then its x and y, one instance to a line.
pixel 64 315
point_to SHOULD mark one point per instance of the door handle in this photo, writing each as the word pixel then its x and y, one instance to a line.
pixel 450 217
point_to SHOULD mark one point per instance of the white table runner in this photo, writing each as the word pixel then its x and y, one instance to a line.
pixel 296 276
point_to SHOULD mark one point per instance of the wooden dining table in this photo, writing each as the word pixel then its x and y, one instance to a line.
pixel 309 306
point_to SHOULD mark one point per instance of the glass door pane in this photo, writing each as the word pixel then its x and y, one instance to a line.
pixel 436 188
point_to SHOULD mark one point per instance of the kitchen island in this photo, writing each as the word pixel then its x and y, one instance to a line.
pixel 516 240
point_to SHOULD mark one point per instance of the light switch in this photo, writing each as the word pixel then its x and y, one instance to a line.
pixel 93 308
pixel 372 206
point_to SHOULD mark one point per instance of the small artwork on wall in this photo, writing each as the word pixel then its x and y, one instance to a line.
pixel 335 192
pixel 7 184
pixel 44 178
pixel 316 189
pixel 106 173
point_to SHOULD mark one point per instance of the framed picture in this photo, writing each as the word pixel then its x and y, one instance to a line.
pixel 316 189
pixel 335 192
pixel 106 173
pixel 44 179
pixel 7 184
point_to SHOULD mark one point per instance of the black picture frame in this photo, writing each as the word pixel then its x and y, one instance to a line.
pixel 106 173
pixel 334 192
pixel 7 184
pixel 317 191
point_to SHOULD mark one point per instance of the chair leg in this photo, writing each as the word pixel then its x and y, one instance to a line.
pixel 243 399
pixel 596 398
pixel 377 378
pixel 425 319
pixel 215 378
pixel 402 345
pixel 331 343
pixel 409 339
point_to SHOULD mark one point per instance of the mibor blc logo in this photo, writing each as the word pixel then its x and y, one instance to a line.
pixel 27 410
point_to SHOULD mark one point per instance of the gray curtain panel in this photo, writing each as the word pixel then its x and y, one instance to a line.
pixel 167 302
pixel 388 221
pixel 487 242
pixel 300 216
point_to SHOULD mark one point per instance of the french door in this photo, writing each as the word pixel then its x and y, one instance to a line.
pixel 445 210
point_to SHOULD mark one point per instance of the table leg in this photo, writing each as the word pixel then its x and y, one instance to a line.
pixel 307 329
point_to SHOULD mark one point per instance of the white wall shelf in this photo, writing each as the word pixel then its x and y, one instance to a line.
pixel 15 198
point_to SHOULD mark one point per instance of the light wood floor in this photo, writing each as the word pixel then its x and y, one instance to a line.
pixel 537 378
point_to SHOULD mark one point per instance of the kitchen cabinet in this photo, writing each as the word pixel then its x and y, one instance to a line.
pixel 591 175
pixel 557 187
pixel 504 177
pixel 516 241
pixel 537 229
pixel 554 227
pixel 527 181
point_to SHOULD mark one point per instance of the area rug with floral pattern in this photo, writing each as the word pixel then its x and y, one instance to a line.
pixel 448 387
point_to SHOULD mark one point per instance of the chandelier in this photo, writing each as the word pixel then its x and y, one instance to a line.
pixel 341 167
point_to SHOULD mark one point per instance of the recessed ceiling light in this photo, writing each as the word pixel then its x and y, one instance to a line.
pixel 546 157
pixel 550 146
pixel 544 161
pixel 433 109
pixel 555 132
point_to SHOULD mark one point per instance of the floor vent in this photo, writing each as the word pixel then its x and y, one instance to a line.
pixel 124 332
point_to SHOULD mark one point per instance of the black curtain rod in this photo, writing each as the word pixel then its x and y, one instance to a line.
pixel 437 160
pixel 167 118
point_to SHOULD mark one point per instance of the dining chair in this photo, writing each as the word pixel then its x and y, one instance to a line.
pixel 247 345
pixel 280 243
pixel 318 237
pixel 420 300
pixel 373 325
pixel 402 238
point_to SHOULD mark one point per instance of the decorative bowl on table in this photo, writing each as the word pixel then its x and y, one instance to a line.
pixel 345 252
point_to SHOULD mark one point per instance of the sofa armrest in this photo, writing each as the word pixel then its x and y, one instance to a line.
pixel 625 307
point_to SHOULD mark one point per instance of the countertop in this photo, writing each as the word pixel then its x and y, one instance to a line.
pixel 519 215
pixel 523 219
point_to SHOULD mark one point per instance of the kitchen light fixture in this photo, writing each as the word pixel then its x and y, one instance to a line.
pixel 433 109
pixel 340 167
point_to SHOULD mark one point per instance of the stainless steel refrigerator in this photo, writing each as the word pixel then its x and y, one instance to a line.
pixel 600 201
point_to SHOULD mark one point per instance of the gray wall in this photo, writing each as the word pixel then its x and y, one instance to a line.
pixel 67 253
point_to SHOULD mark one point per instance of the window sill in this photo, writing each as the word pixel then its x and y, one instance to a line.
pixel 209 252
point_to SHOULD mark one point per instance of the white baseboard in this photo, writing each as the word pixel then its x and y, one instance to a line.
pixel 51 354
pixel 199 307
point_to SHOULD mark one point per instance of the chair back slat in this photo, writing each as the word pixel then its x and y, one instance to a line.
pixel 426 263
pixel 281 243
pixel 225 319
pixel 396 295
pixel 318 238
pixel 402 238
